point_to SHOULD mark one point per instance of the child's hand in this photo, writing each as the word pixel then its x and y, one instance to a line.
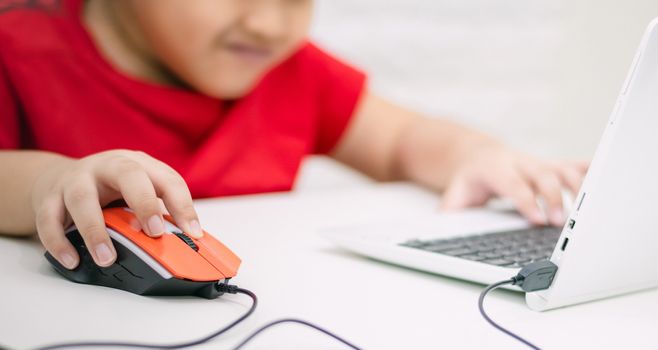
pixel 500 171
pixel 76 190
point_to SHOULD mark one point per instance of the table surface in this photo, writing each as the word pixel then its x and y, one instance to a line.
pixel 297 273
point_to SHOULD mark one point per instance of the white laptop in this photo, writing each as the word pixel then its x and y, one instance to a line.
pixel 609 244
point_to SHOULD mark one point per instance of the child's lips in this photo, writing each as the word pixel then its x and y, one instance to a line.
pixel 250 53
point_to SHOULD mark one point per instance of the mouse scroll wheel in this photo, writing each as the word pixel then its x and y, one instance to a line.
pixel 185 238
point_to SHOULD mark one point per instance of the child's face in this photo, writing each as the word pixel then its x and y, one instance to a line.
pixel 221 47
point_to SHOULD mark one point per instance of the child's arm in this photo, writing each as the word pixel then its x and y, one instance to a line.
pixel 44 192
pixel 389 143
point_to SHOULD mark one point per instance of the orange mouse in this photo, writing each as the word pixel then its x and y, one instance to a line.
pixel 172 264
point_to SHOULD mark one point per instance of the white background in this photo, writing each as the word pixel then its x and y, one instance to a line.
pixel 541 74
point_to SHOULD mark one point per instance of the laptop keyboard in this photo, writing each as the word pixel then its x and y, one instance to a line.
pixel 514 249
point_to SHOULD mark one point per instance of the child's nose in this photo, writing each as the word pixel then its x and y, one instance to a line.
pixel 267 20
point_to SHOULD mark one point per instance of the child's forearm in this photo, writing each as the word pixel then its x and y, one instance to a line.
pixel 18 173
pixel 430 150
pixel 388 142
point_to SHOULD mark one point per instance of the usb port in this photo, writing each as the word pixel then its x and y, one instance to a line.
pixel 572 223
pixel 564 244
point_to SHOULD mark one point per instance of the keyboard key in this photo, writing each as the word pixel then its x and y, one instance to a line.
pixel 521 260
pixel 482 248
pixel 499 262
pixel 519 264
pixel 455 240
pixel 507 251
pixel 414 243
pixel 490 255
pixel 438 248
pixel 473 257
pixel 525 249
pixel 458 252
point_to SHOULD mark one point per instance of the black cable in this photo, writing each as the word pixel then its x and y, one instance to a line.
pixel 227 288
pixel 294 320
pixel 232 289
pixel 492 322
pixel 535 276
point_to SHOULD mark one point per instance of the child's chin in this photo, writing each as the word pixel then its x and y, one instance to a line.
pixel 230 90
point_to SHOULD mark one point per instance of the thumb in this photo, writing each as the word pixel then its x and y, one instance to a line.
pixel 462 194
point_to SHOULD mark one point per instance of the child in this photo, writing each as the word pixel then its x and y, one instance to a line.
pixel 156 102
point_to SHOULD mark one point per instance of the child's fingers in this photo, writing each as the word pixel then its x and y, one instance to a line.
pixel 136 188
pixel 572 177
pixel 548 186
pixel 581 165
pixel 82 203
pixel 462 193
pixel 178 200
pixel 513 186
pixel 176 196
pixel 455 196
pixel 163 207
pixel 50 228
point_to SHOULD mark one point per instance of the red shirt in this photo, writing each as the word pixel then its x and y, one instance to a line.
pixel 57 93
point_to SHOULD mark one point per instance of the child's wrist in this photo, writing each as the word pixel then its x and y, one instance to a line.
pixel 49 174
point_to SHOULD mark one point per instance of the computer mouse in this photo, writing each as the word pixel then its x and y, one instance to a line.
pixel 172 264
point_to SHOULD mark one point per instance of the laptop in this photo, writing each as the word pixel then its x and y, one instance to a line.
pixel 609 243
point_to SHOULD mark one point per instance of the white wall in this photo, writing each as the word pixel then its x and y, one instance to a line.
pixel 541 74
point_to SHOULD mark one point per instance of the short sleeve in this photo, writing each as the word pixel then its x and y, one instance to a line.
pixel 340 88
pixel 9 123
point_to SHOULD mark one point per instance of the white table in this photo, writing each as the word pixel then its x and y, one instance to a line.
pixel 297 273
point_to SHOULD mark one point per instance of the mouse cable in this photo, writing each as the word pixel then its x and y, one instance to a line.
pixel 533 277
pixel 222 288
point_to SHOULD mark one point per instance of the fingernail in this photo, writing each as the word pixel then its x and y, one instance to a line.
pixel 155 225
pixel 557 217
pixel 135 224
pixel 104 254
pixel 538 217
pixel 67 260
pixel 196 229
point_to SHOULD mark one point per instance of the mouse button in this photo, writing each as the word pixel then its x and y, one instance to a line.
pixel 74 237
pixel 180 260
pixel 217 254
pixel 78 243
pixel 122 221
pixel 123 276
pixel 131 271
